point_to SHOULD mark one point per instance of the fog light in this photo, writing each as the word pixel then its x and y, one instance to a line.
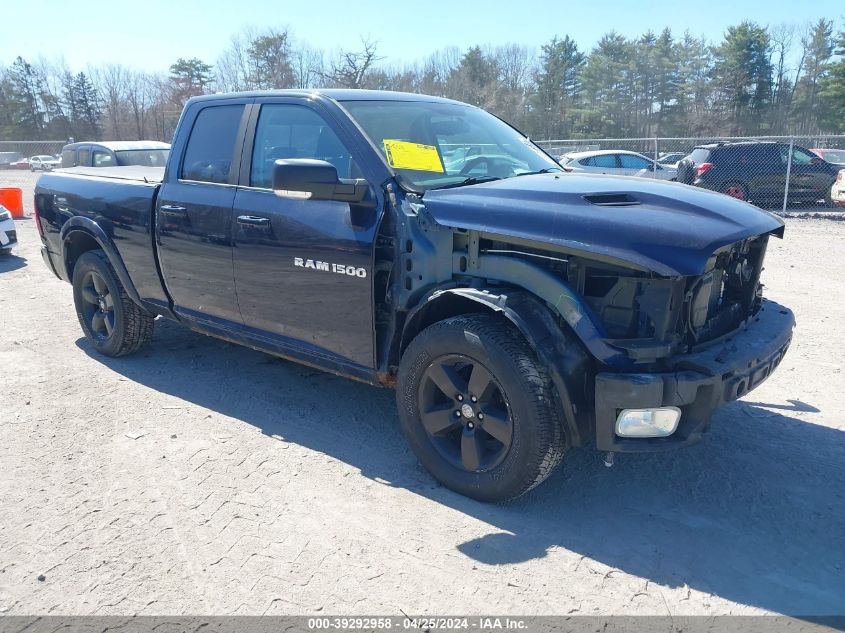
pixel 657 422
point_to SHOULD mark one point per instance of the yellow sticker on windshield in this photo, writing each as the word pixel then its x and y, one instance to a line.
pixel 406 155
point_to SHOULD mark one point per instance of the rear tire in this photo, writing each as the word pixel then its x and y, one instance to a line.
pixel 506 441
pixel 113 324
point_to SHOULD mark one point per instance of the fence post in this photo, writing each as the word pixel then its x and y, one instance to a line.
pixel 788 172
pixel 654 167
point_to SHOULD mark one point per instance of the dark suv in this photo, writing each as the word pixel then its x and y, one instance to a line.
pixel 756 171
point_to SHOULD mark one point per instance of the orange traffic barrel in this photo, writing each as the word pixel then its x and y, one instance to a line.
pixel 12 199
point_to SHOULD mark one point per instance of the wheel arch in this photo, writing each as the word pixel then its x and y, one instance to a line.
pixel 569 366
pixel 80 235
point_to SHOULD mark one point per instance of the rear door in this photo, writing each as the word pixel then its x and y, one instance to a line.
pixel 303 268
pixel 194 212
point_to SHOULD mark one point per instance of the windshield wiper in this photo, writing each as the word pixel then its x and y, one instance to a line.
pixel 547 170
pixel 472 180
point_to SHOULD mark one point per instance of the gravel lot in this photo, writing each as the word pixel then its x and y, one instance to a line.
pixel 202 478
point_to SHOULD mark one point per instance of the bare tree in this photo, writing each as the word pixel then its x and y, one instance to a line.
pixel 349 69
pixel 782 38
pixel 308 66
pixel 111 82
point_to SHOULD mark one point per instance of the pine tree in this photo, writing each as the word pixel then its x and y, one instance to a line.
pixel 558 86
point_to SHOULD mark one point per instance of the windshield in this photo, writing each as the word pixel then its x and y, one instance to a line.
pixel 834 156
pixel 432 145
pixel 144 157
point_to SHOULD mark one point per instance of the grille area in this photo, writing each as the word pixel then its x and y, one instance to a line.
pixel 718 301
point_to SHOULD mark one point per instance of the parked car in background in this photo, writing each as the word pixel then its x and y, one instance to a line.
pixel 755 171
pixel 616 163
pixel 7 158
pixel 21 163
pixel 44 162
pixel 116 154
pixel 834 156
pixel 837 191
pixel 8 234
pixel 670 159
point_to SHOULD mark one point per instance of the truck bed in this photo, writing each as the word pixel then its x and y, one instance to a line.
pixel 112 204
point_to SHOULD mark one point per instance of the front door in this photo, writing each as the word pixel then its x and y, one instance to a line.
pixel 809 178
pixel 303 268
pixel 194 218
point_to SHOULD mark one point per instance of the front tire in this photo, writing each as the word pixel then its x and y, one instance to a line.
pixel 113 324
pixel 477 408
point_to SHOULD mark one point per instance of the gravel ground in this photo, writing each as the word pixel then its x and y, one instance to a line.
pixel 202 478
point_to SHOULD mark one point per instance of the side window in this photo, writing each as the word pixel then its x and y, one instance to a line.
pixel 69 158
pixel 211 146
pixel 603 160
pixel 629 161
pixel 84 157
pixel 801 156
pixel 103 159
pixel 292 131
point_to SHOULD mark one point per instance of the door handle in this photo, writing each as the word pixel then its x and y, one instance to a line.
pixel 170 209
pixel 253 220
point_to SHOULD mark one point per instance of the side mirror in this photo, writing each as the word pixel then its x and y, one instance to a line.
pixel 310 179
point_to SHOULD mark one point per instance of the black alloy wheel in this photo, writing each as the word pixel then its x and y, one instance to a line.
pixel 98 309
pixel 465 413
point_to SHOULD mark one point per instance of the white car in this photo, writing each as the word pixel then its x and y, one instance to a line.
pixel 837 191
pixel 616 163
pixel 44 162
pixel 8 235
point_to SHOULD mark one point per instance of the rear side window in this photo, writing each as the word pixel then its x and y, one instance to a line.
pixel 84 157
pixel 629 161
pixel 68 158
pixel 103 159
pixel 602 160
pixel 211 146
pixel 699 155
pixel 800 156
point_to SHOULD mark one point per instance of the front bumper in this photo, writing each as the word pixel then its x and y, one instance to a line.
pixel 698 383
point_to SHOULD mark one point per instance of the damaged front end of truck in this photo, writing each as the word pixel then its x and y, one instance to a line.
pixel 643 300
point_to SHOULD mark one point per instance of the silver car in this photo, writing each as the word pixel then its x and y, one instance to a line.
pixel 616 163
pixel 44 162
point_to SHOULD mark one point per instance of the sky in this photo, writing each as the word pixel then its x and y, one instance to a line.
pixel 151 34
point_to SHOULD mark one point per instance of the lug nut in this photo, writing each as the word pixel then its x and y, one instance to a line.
pixel 457 414
pixel 473 398
pixel 470 425
pixel 480 415
pixel 460 398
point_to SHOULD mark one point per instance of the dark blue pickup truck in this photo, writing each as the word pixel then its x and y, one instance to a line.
pixel 423 244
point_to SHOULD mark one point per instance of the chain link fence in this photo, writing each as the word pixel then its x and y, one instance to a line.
pixel 775 172
pixel 791 173
pixel 17 154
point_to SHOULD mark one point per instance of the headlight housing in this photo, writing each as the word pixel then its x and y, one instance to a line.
pixel 5 214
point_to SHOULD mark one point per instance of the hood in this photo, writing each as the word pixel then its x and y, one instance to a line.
pixel 668 228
